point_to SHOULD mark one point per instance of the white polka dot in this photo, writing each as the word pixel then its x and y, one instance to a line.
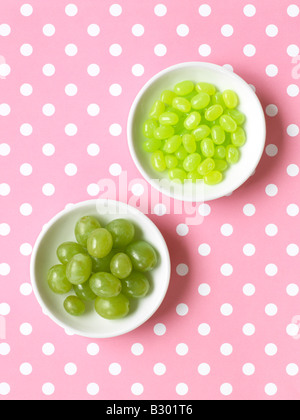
pixel 249 250
pixel 226 229
pixel 26 249
pixel 249 50
pixel 204 329
pixel 49 29
pixel 293 90
pixel 160 209
pixel 48 189
pixel 4 229
pixel 93 189
pixel 272 30
pixel 293 330
pixel 115 50
pixel 182 229
pixel 271 309
pixel 292 250
pixel 293 50
pixel 4 189
pixel 204 289
pixel 182 269
pixel 5 29
pixel 292 290
pixel 4 149
pixel 182 349
pixel 71 169
pixel 204 209
pixel 93 70
pixel 26 289
pixel 160 10
pixel 249 10
pixel 292 169
pixel 93 349
pixel 48 149
pixel 26 209
pixel 271 349
pixel 204 50
pixel 182 389
pixel 228 67
pixel 137 389
pixel 138 70
pixel 115 169
pixel 226 269
pixel 137 349
pixel 138 30
pixel 271 269
pixel 71 50
pixel 249 289
pixel 182 309
pixel 204 250
pixel 249 329
pixel 226 309
pixel 204 369
pixel 26 89
pixel 160 50
pixel 4 388
pixel 226 349
pixel 115 10
pixel 159 369
pixel 26 129
pixel 4 349
pixel 26 10
pixel 227 30
pixel 48 110
pixel 271 229
pixel 271 70
pixel 92 389
pixel 248 369
pixel 293 10
pixel 137 189
pixel 204 10
pixel 4 110
pixel 293 130
pixel 70 369
pixel 93 29
pixel 26 369
pixel 93 149
pixel 271 389
pixel 292 369
pixel 159 329
pixel 26 50
pixel 271 150
pixel 25 328
pixel 4 70
pixel 115 130
pixel 115 89
pixel 49 70
pixel 4 309
pixel 71 10
pixel 292 210
pixel 71 89
pixel 271 190
pixel 226 389
pixel 48 389
pixel 71 129
pixel 93 110
pixel 182 30
pixel 271 110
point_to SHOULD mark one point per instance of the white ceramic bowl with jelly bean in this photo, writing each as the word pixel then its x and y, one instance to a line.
pixel 154 125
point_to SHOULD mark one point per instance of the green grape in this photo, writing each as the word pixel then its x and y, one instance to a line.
pixel 112 308
pixel 184 88
pixel 79 269
pixel 103 264
pixel 136 285
pixel 100 243
pixel 84 227
pixel 121 265
pixel 66 251
pixel 142 255
pixel 83 291
pixel 149 126
pixel 122 231
pixel 105 284
pixel 74 306
pixel 57 279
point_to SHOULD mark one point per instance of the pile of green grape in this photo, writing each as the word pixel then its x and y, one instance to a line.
pixel 195 132
pixel 106 265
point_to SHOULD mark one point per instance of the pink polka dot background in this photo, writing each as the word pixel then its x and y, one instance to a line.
pixel 229 326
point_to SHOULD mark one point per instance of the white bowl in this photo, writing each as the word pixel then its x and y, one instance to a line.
pixel 61 229
pixel 222 78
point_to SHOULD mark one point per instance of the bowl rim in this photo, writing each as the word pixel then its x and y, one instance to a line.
pixel 33 260
pixel 145 87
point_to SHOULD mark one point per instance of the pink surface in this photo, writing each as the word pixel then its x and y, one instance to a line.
pixel 230 318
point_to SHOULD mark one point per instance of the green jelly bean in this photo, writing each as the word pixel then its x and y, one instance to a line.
pixel 148 128
pixel 207 147
pixel 200 101
pixel 237 115
pixel 163 132
pixel 213 178
pixel 191 162
pixel 181 153
pixel 194 176
pixel 171 161
pixel 220 165
pixel 179 127
pixel 177 175
pixel 167 97
pixel 238 138
pixel 181 104
pixel 206 87
pixel 232 154
pixel 227 123
pixel 157 109
pixel 220 152
pixel 172 144
pixel 213 112
pixel 158 161
pixel 218 134
pixel 151 145
pixel 168 118
pixel 192 120
pixel 201 132
pixel 230 98
pixel 206 166
pixel 189 143
pixel 217 99
pixel 184 88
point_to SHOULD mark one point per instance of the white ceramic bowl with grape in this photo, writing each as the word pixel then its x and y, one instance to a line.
pixel 61 229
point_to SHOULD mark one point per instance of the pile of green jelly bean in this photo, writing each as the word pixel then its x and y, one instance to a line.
pixel 194 132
